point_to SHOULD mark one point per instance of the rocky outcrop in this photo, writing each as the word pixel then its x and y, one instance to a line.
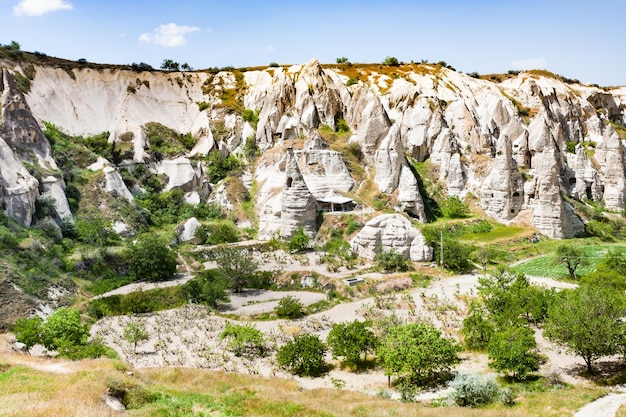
pixel 299 207
pixel 183 175
pixel 502 191
pixel 323 170
pixel 114 184
pixel 186 231
pixel 391 232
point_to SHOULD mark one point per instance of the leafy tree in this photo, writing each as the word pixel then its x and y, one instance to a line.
pixel 289 307
pixel 418 354
pixel 483 255
pixel 391 61
pixel 208 288
pixel 571 257
pixel 453 208
pixel 390 260
pixel 353 341
pixel 247 341
pixel 587 320
pixel 610 272
pixel 170 65
pixel 185 67
pixel 478 327
pixel 236 265
pixel 304 355
pixel 150 258
pixel 456 255
pixel 64 329
pixel 218 232
pixel 14 46
pixel 28 331
pixel 135 332
pixel 93 229
pixel 511 350
pixel 343 60
pixel 299 242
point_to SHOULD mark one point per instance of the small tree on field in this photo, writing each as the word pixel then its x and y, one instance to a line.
pixel 477 327
pixel 304 355
pixel 588 321
pixel 28 331
pixel 135 332
pixel 289 307
pixel 247 341
pixel 236 265
pixel 392 61
pixel 473 390
pixel 571 257
pixel 418 354
pixel 511 351
pixel 151 259
pixel 63 330
pixel 353 341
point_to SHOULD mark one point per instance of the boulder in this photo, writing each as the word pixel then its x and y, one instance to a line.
pixel 391 232
pixel 186 231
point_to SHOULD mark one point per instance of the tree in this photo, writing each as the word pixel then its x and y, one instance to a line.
pixel 353 341
pixel 456 255
pixel 236 265
pixel 208 287
pixel 170 65
pixel 477 327
pixel 64 329
pixel 150 258
pixel 304 355
pixel 511 350
pixel 587 320
pixel 571 257
pixel 247 341
pixel 299 241
pixel 343 60
pixel 14 46
pixel 289 307
pixel 483 255
pixel 28 331
pixel 611 271
pixel 135 332
pixel 185 67
pixel 391 61
pixel 418 354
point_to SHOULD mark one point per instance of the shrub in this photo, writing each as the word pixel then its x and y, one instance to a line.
pixel 151 259
pixel 472 390
pixel 251 116
pixel 219 232
pixel 389 260
pixel 299 241
pixel 206 288
pixel 245 340
pixel 304 355
pixel 511 350
pixel 353 341
pixel 343 60
pixel 273 64
pixel 391 61
pixel 453 208
pixel 289 307
pixel 342 126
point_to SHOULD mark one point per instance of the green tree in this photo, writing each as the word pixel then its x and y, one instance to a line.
pixel 28 331
pixel 304 355
pixel 63 330
pixel 93 229
pixel 456 255
pixel 418 354
pixel 611 271
pixel 391 61
pixel 14 46
pixel 483 256
pixel 150 258
pixel 247 341
pixel 170 65
pixel 236 265
pixel 571 257
pixel 135 332
pixel 587 321
pixel 299 242
pixel 478 328
pixel 511 351
pixel 208 287
pixel 353 341
pixel 289 307
pixel 343 60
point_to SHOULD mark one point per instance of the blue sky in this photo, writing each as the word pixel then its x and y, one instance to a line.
pixel 578 39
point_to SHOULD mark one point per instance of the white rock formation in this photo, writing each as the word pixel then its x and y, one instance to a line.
pixel 186 231
pixel 391 232
pixel 299 207
pixel 114 184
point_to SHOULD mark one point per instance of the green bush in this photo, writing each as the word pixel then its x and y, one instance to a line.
pixel 472 390
pixel 151 259
pixel 299 242
pixel 289 307
pixel 353 341
pixel 342 126
pixel 304 355
pixel 391 61
pixel 208 288
pixel 389 260
pixel 453 208
pixel 251 116
pixel 218 233
pixel 247 341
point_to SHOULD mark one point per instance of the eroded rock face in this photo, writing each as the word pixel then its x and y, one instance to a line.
pixel 186 231
pixel 183 175
pixel 299 207
pixel 391 232
pixel 114 184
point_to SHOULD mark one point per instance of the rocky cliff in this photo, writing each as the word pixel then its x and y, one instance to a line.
pixel 523 143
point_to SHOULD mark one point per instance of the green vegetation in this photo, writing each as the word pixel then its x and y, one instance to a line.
pixel 511 350
pixel 354 341
pixel 208 287
pixel 151 259
pixel 299 242
pixel 289 307
pixel 453 208
pixel 391 61
pixel 303 355
pixel 389 260
pixel 473 390
pixel 247 341
pixel 135 332
pixel 572 257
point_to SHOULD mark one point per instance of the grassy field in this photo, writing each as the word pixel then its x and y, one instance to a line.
pixel 76 389
pixel 542 265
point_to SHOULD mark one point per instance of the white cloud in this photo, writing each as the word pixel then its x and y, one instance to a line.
pixel 39 7
pixel 169 34
pixel 531 63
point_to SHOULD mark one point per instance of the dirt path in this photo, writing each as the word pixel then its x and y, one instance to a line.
pixel 606 406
